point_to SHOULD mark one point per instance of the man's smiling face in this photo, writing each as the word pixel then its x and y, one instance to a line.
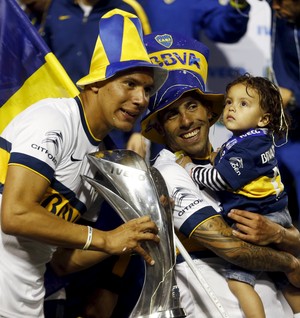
pixel 186 125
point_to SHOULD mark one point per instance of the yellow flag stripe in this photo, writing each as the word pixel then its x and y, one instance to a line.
pixel 50 80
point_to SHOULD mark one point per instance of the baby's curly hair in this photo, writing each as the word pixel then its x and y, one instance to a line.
pixel 270 101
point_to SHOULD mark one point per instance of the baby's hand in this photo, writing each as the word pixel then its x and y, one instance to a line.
pixel 182 159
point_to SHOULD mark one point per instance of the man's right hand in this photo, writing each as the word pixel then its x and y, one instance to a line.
pixel 128 237
pixel 257 229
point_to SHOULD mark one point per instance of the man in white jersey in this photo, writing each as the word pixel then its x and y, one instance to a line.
pixel 43 157
pixel 181 113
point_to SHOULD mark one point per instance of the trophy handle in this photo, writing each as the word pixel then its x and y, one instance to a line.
pixel 123 208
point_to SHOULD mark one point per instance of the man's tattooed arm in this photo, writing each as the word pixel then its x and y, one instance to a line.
pixel 257 229
pixel 217 236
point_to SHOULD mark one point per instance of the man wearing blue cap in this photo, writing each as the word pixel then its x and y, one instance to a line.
pixel 181 113
pixel 43 158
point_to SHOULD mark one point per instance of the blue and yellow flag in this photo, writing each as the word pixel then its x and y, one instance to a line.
pixel 29 72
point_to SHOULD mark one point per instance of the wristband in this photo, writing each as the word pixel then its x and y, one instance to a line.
pixel 89 238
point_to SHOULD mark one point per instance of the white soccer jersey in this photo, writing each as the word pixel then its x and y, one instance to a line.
pixel 51 138
pixel 193 206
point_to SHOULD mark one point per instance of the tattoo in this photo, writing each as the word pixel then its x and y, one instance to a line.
pixel 217 236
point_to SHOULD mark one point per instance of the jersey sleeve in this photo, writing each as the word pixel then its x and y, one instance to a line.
pixel 39 139
pixel 192 205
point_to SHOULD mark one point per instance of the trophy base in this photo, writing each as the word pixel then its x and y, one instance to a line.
pixel 171 313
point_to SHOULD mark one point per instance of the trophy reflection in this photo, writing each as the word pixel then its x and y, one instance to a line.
pixel 133 189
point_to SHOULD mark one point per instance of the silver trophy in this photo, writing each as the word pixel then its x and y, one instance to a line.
pixel 133 189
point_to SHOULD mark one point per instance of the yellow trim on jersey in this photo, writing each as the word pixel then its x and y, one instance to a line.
pixel 141 15
pixel 238 4
pixel 26 167
pixel 64 17
pixel 56 202
pixel 190 244
pixel 58 205
pixel 211 217
pixel 4 159
pixel 262 187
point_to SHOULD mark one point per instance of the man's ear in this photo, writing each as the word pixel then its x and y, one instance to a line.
pixel 158 125
pixel 94 88
pixel 264 120
pixel 160 129
pixel 209 115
